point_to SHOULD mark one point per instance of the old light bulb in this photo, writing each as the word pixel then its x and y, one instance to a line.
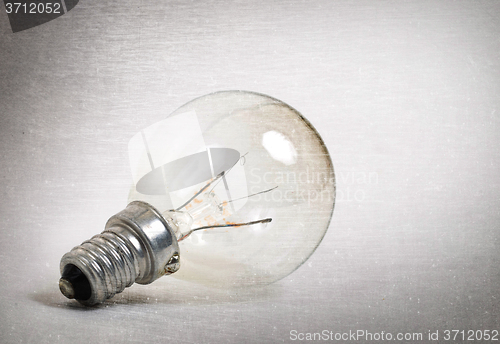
pixel 232 189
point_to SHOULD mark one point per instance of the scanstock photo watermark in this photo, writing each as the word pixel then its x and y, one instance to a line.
pixel 357 335
pixel 385 336
pixel 291 187
pixel 352 186
pixel 355 185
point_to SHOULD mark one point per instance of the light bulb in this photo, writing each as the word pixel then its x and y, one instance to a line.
pixel 232 189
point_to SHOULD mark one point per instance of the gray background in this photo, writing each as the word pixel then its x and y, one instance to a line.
pixel 404 94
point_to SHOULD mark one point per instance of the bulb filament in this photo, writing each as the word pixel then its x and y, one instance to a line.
pixel 207 210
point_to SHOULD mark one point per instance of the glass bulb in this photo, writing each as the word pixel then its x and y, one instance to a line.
pixel 244 185
pixel 274 165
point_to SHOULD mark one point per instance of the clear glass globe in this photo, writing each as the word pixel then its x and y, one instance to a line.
pixel 245 180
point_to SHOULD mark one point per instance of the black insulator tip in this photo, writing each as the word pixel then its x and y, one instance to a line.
pixel 74 284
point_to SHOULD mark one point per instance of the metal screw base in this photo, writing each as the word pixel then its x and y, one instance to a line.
pixel 137 245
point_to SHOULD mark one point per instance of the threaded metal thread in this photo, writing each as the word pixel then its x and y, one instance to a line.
pixel 115 259
pixel 137 246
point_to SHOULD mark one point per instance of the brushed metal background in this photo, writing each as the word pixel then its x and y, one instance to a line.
pixel 405 95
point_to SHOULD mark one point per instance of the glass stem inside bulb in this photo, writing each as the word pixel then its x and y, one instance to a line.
pixel 203 211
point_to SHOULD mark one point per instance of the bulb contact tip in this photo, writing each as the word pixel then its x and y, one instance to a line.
pixel 66 288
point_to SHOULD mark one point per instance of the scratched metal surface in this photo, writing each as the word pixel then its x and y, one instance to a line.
pixel 404 94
